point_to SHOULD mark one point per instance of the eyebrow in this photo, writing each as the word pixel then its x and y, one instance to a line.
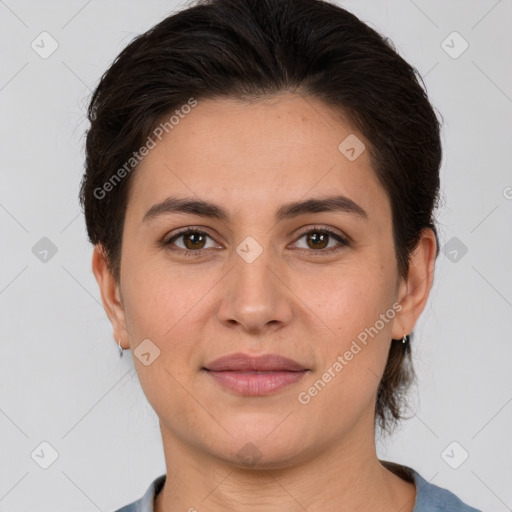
pixel 208 209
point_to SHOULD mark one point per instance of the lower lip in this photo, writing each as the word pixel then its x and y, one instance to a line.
pixel 253 383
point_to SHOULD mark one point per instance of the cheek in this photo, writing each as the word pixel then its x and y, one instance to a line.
pixel 358 309
pixel 344 385
pixel 350 298
pixel 159 296
pixel 159 306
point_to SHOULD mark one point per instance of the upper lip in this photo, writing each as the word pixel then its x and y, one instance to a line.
pixel 244 362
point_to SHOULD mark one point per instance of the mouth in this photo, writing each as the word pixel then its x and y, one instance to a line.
pixel 255 376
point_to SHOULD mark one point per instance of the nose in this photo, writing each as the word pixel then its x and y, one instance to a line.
pixel 254 295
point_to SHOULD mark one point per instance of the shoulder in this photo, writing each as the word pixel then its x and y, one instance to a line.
pixel 429 497
pixel 432 498
pixel 145 504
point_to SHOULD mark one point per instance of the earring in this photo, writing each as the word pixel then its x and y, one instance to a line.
pixel 404 339
pixel 120 348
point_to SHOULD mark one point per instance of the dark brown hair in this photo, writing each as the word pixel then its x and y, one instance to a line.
pixel 252 49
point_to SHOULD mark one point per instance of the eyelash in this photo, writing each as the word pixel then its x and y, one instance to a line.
pixel 317 229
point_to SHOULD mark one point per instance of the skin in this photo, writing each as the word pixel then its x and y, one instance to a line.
pixel 250 158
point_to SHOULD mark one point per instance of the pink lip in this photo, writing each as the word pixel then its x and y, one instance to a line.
pixel 246 363
pixel 248 375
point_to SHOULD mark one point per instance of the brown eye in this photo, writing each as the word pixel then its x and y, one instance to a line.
pixel 318 240
pixel 192 240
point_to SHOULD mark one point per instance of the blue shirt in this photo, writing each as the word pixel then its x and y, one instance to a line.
pixel 429 497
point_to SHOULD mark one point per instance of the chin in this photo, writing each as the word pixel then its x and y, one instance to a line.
pixel 253 456
pixel 255 451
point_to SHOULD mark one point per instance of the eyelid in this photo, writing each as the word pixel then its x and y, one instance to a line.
pixel 326 229
pixel 188 230
pixel 343 239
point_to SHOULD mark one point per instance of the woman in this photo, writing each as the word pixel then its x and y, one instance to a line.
pixel 260 184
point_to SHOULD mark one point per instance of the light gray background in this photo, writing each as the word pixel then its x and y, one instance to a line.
pixel 61 378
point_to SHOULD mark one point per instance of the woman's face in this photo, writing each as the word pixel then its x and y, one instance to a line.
pixel 262 277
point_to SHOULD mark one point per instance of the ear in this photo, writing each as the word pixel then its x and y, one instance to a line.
pixel 110 296
pixel 415 289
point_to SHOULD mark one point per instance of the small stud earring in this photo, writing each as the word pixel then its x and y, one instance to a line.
pixel 120 348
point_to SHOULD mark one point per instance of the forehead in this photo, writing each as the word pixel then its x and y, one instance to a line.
pixel 253 154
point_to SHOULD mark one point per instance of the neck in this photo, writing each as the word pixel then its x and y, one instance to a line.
pixel 340 478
